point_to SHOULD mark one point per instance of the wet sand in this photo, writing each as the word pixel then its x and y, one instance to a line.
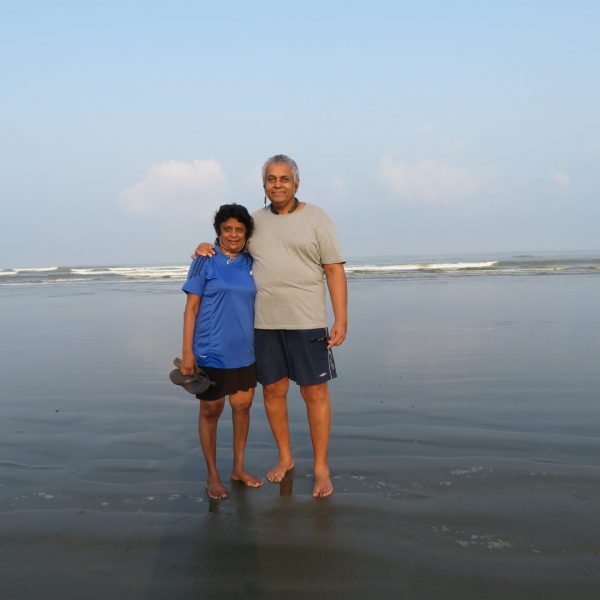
pixel 465 451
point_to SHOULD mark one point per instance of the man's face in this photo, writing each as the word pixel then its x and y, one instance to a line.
pixel 279 185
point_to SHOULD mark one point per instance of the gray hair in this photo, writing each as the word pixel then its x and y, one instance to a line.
pixel 284 160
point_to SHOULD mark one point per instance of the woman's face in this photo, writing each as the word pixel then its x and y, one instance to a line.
pixel 233 235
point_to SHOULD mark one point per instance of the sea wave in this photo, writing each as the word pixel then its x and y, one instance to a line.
pixel 371 268
pixel 32 270
pixel 148 272
pixel 449 266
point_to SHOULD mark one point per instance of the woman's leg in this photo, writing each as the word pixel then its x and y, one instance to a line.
pixel 240 413
pixel 210 411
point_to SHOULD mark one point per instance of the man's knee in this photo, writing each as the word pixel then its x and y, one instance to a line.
pixel 276 390
pixel 315 393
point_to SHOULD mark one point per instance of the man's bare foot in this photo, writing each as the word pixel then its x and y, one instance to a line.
pixel 279 471
pixel 247 479
pixel 216 490
pixel 323 486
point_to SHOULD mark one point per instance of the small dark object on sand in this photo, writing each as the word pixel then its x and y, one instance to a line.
pixel 194 384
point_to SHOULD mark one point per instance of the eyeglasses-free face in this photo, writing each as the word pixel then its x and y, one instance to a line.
pixel 280 187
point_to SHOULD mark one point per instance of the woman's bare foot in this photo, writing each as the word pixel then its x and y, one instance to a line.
pixel 279 471
pixel 247 479
pixel 323 486
pixel 215 489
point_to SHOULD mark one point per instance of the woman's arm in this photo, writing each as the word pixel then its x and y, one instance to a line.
pixel 192 306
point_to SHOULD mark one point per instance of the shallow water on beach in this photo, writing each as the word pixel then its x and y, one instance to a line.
pixel 465 451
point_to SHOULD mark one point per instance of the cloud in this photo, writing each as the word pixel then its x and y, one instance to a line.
pixel 592 148
pixel 174 184
pixel 429 180
pixel 561 179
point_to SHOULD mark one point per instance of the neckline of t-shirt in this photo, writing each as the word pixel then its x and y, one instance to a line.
pixel 298 211
pixel 227 259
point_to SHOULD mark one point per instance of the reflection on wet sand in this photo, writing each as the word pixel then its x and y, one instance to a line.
pixel 464 454
pixel 286 485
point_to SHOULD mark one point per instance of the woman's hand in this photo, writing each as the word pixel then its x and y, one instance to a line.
pixel 188 364
pixel 204 249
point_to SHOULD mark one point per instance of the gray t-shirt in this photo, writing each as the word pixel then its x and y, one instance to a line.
pixel 289 252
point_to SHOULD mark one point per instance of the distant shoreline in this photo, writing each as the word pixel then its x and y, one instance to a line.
pixel 399 267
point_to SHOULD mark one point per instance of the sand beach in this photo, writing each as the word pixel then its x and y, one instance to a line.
pixel 465 449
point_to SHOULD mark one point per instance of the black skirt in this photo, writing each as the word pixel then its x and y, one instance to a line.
pixel 228 381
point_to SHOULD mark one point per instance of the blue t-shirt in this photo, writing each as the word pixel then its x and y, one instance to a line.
pixel 224 334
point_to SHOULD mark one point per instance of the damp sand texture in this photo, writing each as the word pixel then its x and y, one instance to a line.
pixel 465 451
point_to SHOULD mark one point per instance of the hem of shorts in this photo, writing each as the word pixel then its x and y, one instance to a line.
pixel 289 327
pixel 321 380
pixel 199 396
pixel 225 368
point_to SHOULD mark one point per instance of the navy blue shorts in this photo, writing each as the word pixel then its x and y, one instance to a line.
pixel 299 354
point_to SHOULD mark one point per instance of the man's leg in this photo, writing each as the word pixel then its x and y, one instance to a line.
pixel 210 411
pixel 318 408
pixel 275 395
pixel 240 413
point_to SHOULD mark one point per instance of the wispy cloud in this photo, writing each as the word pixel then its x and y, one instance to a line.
pixel 428 180
pixel 561 179
pixel 175 185
pixel 592 148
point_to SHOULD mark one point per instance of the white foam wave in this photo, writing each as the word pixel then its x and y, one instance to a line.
pixel 422 267
pixel 151 272
pixel 136 272
pixel 452 267
pixel 36 270
pixel 462 265
pixel 91 271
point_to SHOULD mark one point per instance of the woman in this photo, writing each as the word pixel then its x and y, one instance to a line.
pixel 218 335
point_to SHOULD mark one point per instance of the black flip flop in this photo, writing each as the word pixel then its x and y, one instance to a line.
pixel 194 384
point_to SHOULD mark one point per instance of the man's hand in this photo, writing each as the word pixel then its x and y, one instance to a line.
pixel 338 334
pixel 204 249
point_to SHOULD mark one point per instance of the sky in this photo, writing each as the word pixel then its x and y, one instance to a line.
pixel 422 128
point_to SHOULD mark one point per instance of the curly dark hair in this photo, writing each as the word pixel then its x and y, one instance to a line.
pixel 233 211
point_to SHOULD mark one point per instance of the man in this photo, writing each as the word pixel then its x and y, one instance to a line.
pixel 294 243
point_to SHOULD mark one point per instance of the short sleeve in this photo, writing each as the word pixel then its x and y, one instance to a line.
pixel 197 275
pixel 329 246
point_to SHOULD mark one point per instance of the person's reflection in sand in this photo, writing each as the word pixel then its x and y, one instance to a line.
pixel 242 502
pixel 286 485
pixel 213 505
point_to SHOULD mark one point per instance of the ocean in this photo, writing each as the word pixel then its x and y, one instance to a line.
pixel 547 263
pixel 465 447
